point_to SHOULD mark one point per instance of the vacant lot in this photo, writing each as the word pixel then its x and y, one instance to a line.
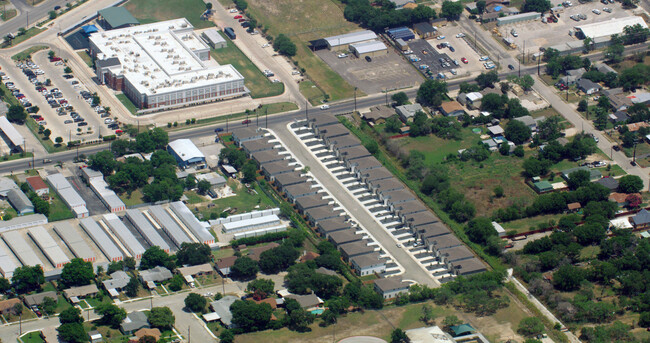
pixel 497 328
pixel 245 200
pixel 147 11
pixel 302 21
pixel 257 83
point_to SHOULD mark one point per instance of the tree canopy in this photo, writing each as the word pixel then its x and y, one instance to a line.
pixel 193 254
pixel 161 318
pixel 250 316
pixel 27 278
pixel 77 273
pixel 153 257
pixel 431 92
pixel 517 132
pixel 284 45
pixel 195 302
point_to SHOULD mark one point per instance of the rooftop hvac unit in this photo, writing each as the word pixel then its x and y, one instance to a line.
pixel 137 54
pixel 183 25
pixel 163 49
pixel 130 52
pixel 150 37
pixel 103 35
pixel 154 30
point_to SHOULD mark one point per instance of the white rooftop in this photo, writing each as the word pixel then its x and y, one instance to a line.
pixel 10 131
pixel 160 57
pixel 232 226
pixel 610 27
pixel 214 36
pixel 185 149
pixel 350 38
pixel 366 47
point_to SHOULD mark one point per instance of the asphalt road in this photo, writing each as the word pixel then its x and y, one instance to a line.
pixel 29 14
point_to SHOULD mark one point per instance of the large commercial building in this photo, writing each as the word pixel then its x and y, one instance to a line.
pixel 101 239
pixel 161 65
pixel 200 232
pixel 342 42
pixel 107 196
pixel 124 235
pixel 609 27
pixel 145 229
pixel 372 49
pixel 186 154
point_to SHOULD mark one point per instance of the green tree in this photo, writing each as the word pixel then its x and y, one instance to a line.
pixel 451 10
pixel 5 285
pixel 582 105
pixel 16 114
pixel 27 279
pixel 176 283
pixel 530 326
pixel 630 184
pixel 284 45
pixel 193 254
pixel 644 320
pixel 153 257
pixel 614 53
pixel 49 306
pixel 488 79
pixel 480 6
pixel 568 278
pixel 427 314
pixel 250 316
pixel 131 288
pixel 371 146
pixel 263 287
pixel 517 132
pixel 161 318
pixel 77 273
pixel 70 315
pixel 111 314
pixel 47 133
pixel 399 336
pixel 393 124
pixel 195 303
pixel 400 98
pixel 249 171
pixel 226 336
pixel 431 92
pixel 540 6
pixel 203 186
pixel 72 332
pixel 578 179
pixel 526 82
pixel 479 229
pixel 58 140
pixel 104 162
pixel 244 268
pixel 519 151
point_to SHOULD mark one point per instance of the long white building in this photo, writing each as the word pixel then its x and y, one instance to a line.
pixel 162 65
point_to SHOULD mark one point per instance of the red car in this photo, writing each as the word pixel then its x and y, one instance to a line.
pixel 118 131
pixel 247 121
pixel 242 20
pixel 238 17
pixel 464 60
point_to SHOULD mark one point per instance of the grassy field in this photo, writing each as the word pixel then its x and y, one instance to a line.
pixel 130 106
pixel 244 201
pixel 303 20
pixel 84 56
pixel 28 34
pixel 527 224
pixel 147 11
pixel 134 199
pixel 58 209
pixel 193 197
pixel 311 92
pixel 380 323
pixel 32 337
pixel 6 15
pixel 26 54
pixel 259 85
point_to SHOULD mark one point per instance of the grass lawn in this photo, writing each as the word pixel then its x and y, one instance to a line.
pixel 147 11
pixel 194 198
pixel 311 92
pixel 32 337
pixel 28 34
pixel 498 327
pixel 58 209
pixel 6 15
pixel 259 85
pixel 110 335
pixel 127 103
pixel 62 304
pixel 134 199
pixel 221 253
pixel 245 201
pixel 95 302
pixel 523 225
pixel 26 54
pixel 48 144
pixel 84 56
pixel 589 253
pixel 628 63
pixel 303 20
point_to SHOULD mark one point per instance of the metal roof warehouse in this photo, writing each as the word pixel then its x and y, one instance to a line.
pixel 74 241
pixel 102 240
pixel 190 221
pixel 125 236
pixel 169 225
pixel 15 138
pixel 50 249
pixel 610 27
pixel 146 229
pixel 368 48
pixel 21 248
pixel 350 38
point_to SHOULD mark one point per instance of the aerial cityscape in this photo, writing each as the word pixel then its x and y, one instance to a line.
pixel 347 171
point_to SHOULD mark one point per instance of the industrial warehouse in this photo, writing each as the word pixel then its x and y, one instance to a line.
pixel 162 65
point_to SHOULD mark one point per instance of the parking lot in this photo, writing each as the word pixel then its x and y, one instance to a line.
pixel 61 107
pixel 536 34
pixel 388 71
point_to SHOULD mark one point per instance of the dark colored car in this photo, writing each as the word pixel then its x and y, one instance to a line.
pixel 56 8
pixel 83 123
pixel 368 59
pixel 616 147
pixel 219 129
pixel 511 67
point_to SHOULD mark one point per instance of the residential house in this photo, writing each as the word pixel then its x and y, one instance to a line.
pixel 322 120
pixel 133 322
pixel 609 182
pixel 407 112
pixel 224 264
pixel 427 232
pixel 20 202
pixel 491 144
pixel 312 201
pixel 619 117
pixel 38 298
pixel 495 130
pixel 332 131
pixel 452 109
pixel 454 254
pixel 307 302
pixel 222 308
pixel 391 287
pixel 6 306
pixel 368 264
pixel 416 220
pixel 542 186
pixel 325 227
pixel 384 186
pixel 308 256
pixel 294 192
pixel 344 236
pixel 352 153
pixel 588 86
pixel 350 250
pixel 640 98
pixel 288 179
pixel 378 114
pixel 153 275
pixel 245 134
pixel 641 219
pixel 256 145
pixel 528 121
pixel 396 197
pixel 467 267
pixel 471 100
pixel 576 72
pixel 425 30
pixel 276 168
pixel 409 207
pixel 316 214
pixel 116 283
pixel 619 101
pixel 604 68
pixel 75 293
pixel 342 142
pixel 438 243
pixel 198 270
pixel 38 185
pixel 255 253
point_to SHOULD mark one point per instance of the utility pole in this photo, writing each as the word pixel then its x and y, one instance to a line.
pixel 355 99
pixel 227 122
pixel 26 26
pixel 539 60
pixel 634 155
pixel 189 335
pixel 33 160
pixel 306 111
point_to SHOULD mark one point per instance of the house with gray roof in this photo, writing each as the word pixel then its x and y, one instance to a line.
pixel 153 275
pixel 267 156
pixel 467 267
pixel 133 322
pixel 332 131
pixel 256 145
pixel 294 192
pixel 391 287
pixel 321 120
pixel 368 264
pixel 344 236
pixel 641 219
pixel 222 308
pixel 407 112
pixel 288 179
pixel 276 168
pixel 311 201
pixel 316 214
pixel 425 232
pixel 342 142
pixel 352 153
pixel 409 207
pixel 454 254
pixel 397 197
pixel 384 186
pixel 116 283
pixel 353 249
pixel 20 202
pixel 609 182
pixel 38 298
pixel 307 302
pixel 442 242
pixel 376 174
pixel 415 220
pixel 325 227
pixel 588 86
pixel 244 134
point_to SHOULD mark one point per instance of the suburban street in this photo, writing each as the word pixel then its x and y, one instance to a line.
pixel 25 11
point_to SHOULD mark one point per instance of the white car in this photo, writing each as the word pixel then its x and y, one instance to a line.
pixel 607 9
pixel 108 121
pixel 324 107
pixel 460 35
pixel 343 55
pixel 596 11
pixel 233 10
pixel 265 45
pixel 6 77
pixel 441 37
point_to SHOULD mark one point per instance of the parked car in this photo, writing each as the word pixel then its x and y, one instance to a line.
pixel 324 107
pixel 368 59
pixel 83 123
pixel 219 129
pixel 238 17
pixel 464 60
pixel 511 67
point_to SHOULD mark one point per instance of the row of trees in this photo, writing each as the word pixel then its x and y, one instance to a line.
pixel 377 18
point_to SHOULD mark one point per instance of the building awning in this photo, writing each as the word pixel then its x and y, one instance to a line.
pixel 88 29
